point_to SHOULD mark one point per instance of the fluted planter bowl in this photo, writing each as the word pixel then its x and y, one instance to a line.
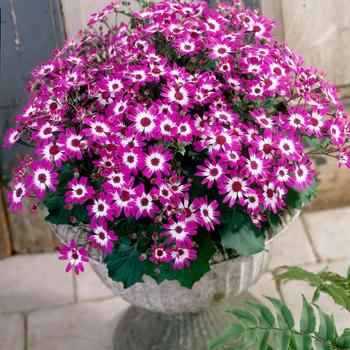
pixel 226 279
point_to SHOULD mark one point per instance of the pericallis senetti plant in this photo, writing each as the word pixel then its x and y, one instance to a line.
pixel 186 132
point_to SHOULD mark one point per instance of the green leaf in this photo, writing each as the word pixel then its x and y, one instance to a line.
pixel 284 315
pixel 274 220
pixel 266 317
pixel 248 340
pixel 124 264
pixel 338 293
pixel 59 217
pixel 81 214
pixel 230 334
pixel 323 345
pixel 308 319
pixel 262 338
pixel 343 342
pixel 297 273
pixel 303 341
pixel 282 339
pixel 244 316
pixel 246 240
pixel 326 329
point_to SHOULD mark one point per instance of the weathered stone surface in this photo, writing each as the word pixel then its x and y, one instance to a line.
pixel 292 291
pixel 319 31
pixel 12 332
pixel 34 281
pixel 333 189
pixel 293 248
pixel 5 239
pixel 330 232
pixel 30 232
pixel 87 326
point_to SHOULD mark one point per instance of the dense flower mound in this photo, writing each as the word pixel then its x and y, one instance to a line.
pixel 187 131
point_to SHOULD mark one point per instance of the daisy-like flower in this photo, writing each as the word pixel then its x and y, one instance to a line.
pixel 102 207
pixel 234 189
pixel 206 214
pixel 296 118
pixel 265 144
pixel 72 143
pixel 123 198
pixel 212 172
pixel 41 178
pixel 76 257
pixel 180 232
pixel 253 200
pixel 143 203
pixel 180 95
pixel 16 196
pixel 256 166
pixel 281 173
pixel 181 257
pixel 45 132
pixel 315 122
pixel 144 121
pixel 288 146
pixel 271 199
pixel 220 49
pixel 79 191
pixel 155 162
pixel 102 236
pixel 11 137
pixel 303 174
pixel 53 153
pixel 99 129
pixel 261 117
pixel 160 254
pixel 187 45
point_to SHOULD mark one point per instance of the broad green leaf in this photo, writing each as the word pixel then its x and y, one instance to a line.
pixel 265 316
pixel 303 341
pixel 308 319
pixel 284 315
pixel 246 240
pixel 244 316
pixel 229 335
pixel 326 329
pixel 282 339
pixel 59 217
pixel 81 214
pixel 124 264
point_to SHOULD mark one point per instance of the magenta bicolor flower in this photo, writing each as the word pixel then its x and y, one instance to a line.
pixel 303 174
pixel 234 189
pixel 102 207
pixel 181 257
pixel 53 153
pixel 76 256
pixel 143 203
pixel 11 137
pixel 206 214
pixel 212 172
pixel 160 254
pixel 180 231
pixel 16 196
pixel 79 191
pixel 155 162
pixel 41 178
pixel 72 143
pixel 101 236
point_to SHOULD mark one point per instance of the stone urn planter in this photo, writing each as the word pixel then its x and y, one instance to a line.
pixel 171 316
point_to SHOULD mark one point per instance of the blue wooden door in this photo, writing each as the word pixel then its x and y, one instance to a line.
pixel 30 30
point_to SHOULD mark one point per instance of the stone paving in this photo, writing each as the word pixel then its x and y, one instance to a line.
pixel 43 308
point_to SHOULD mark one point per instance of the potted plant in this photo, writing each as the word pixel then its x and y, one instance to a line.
pixel 170 151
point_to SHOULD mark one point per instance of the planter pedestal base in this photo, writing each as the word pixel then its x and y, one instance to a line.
pixel 141 329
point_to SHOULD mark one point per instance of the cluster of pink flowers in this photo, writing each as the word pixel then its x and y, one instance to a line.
pixel 182 93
